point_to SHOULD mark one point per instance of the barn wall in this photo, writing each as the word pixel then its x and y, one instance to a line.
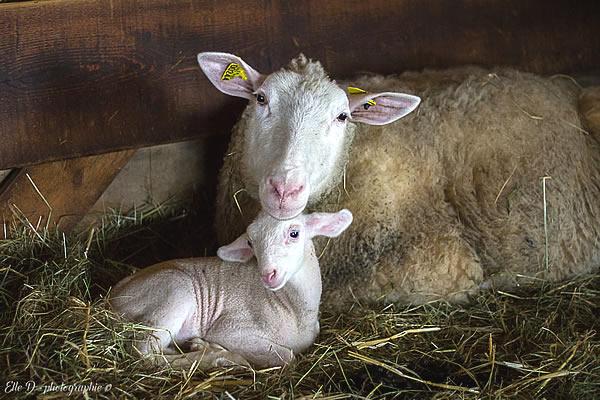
pixel 173 174
pixel 3 174
pixel 87 77
pixel 157 175
pixel 81 78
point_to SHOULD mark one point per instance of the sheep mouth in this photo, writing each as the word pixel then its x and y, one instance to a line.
pixel 284 214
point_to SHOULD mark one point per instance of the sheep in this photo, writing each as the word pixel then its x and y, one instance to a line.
pixel 259 313
pixel 492 182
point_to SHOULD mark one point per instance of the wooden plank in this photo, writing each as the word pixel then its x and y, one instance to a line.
pixel 4 174
pixel 90 76
pixel 59 193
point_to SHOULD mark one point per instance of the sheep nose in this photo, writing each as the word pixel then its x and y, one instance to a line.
pixel 269 277
pixel 285 190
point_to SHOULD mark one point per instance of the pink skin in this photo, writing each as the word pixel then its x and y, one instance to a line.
pixel 272 277
pixel 296 127
pixel 285 197
pixel 280 246
pixel 221 311
pixel 269 279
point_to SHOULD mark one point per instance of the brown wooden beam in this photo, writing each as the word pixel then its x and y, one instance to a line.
pixel 91 76
pixel 58 193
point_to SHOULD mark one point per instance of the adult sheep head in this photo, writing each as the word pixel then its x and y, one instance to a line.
pixel 297 126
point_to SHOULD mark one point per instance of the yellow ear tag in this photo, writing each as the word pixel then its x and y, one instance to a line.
pixel 234 70
pixel 355 90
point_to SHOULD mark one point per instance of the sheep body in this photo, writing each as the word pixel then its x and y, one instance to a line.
pixel 220 312
pixel 450 199
pixel 208 298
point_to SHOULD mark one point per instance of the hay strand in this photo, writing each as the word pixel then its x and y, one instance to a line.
pixel 540 341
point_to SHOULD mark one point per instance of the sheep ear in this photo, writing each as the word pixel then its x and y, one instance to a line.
pixel 379 108
pixel 328 224
pixel 230 74
pixel 237 251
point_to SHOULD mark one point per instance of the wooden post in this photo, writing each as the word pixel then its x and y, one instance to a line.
pixel 58 193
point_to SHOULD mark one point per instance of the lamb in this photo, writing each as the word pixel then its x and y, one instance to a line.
pixel 259 313
pixel 494 181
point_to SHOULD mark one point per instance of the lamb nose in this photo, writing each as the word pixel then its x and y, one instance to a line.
pixel 269 277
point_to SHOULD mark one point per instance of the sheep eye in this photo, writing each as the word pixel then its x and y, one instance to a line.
pixel 294 234
pixel 260 98
pixel 342 117
pixel 366 106
pixel 249 243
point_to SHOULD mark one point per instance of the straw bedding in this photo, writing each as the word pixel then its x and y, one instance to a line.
pixel 58 336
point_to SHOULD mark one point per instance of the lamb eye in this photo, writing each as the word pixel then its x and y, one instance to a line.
pixel 249 243
pixel 342 117
pixel 294 234
pixel 260 98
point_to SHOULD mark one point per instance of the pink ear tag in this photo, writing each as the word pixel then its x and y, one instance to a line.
pixel 232 71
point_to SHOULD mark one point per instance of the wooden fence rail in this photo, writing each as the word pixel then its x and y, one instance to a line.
pixel 93 76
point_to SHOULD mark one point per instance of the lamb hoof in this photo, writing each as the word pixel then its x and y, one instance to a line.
pixel 197 344
pixel 231 360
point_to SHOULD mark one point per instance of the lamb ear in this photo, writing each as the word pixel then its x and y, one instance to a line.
pixel 230 74
pixel 237 251
pixel 328 224
pixel 380 108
